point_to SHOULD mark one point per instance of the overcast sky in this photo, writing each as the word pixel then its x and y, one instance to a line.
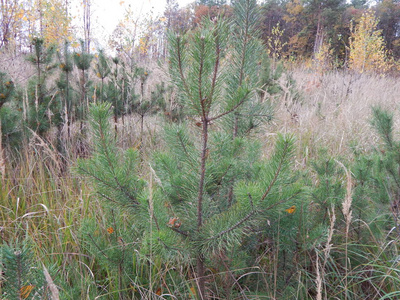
pixel 106 14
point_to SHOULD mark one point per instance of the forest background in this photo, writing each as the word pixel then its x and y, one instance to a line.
pixel 219 150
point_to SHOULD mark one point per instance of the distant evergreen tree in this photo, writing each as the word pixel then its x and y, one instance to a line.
pixel 10 116
pixel 43 110
pixel 82 61
pixel 64 85
pixel 211 2
pixel 102 70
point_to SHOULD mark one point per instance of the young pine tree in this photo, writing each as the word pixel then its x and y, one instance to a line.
pixel 102 71
pixel 9 115
pixel 212 177
pixel 378 177
pixel 22 280
pixel 213 183
pixel 9 119
pixel 82 61
pixel 64 86
pixel 116 179
pixel 43 110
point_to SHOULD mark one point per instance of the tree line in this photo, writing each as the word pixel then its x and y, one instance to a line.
pixel 290 29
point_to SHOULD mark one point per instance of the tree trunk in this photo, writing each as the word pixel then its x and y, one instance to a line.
pixel 200 258
pixel 319 36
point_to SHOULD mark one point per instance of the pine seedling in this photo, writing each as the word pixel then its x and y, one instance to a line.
pixel 6 89
pixel 64 85
pixel 102 70
pixel 114 174
pixel 83 61
pixel 377 181
pixel 43 110
pixel 115 177
pixel 386 179
pixel 210 188
pixel 21 279
pixel 9 117
pixel 8 114
pixel 269 76
pixel 42 59
pixel 116 90
pixel 145 105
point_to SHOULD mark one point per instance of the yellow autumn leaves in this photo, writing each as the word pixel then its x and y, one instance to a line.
pixel 367 46
pixel 291 210
pixel 26 290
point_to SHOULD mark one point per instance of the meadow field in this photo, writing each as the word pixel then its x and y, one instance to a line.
pixel 205 163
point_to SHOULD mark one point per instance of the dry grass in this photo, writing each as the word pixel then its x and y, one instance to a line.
pixel 334 110
pixel 16 66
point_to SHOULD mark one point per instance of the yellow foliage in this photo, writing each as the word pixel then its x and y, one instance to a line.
pixel 143 45
pixel 26 290
pixel 291 210
pixel 274 42
pixel 55 22
pixel 193 291
pixel 294 8
pixel 367 47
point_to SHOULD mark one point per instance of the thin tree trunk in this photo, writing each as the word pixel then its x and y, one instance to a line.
pixel 319 37
pixel 200 258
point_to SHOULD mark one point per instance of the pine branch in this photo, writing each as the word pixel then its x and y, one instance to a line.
pixel 230 110
pixel 285 152
pixel 237 224
pixel 184 233
pixel 118 187
pixel 282 201
pixel 180 67
pixel 108 198
pixel 216 67
pixel 200 77
pixel 182 144
pixel 97 246
pixel 245 42
pixel 220 234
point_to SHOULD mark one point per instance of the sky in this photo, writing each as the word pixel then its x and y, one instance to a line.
pixel 106 14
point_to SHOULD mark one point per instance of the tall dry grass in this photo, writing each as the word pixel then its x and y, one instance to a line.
pixel 333 110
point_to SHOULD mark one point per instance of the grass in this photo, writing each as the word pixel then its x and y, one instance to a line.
pixel 48 208
pixel 334 110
